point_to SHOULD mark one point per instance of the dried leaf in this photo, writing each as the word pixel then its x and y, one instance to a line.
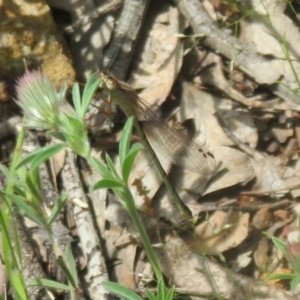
pixel 161 55
pixel 222 231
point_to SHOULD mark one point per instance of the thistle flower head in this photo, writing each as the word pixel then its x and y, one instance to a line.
pixel 39 100
pixel 46 108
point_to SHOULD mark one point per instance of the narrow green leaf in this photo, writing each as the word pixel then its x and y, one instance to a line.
pixel 170 294
pixel 298 227
pixel 58 205
pixel 67 272
pixel 107 183
pixel 71 264
pixel 26 209
pixel 151 296
pixel 161 289
pixel 121 291
pixel 76 98
pixel 129 160
pixel 34 177
pixel 28 158
pixel 11 254
pixel 18 190
pixel 112 167
pixel 7 248
pixel 279 244
pixel 89 91
pixel 100 167
pixel 9 177
pixel 50 284
pixel 281 276
pixel 41 151
pixel 18 284
pixel 42 157
pixel 295 282
pixel 32 187
pixel 57 135
pixel 135 147
pixel 125 140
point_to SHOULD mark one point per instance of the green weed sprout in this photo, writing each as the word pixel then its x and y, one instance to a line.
pixel 46 108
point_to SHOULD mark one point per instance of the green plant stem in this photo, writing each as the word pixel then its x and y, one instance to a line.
pixel 11 260
pixel 16 157
pixel 128 201
pixel 130 205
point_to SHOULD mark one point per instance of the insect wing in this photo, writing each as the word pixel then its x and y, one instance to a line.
pixel 174 143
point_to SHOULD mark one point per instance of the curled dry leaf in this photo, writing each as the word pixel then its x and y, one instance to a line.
pixel 236 168
pixel 222 231
pixel 271 177
pixel 197 274
pixel 262 219
pixel 119 244
pixel 212 74
pixel 234 165
pixel 125 270
pixel 161 54
pixel 260 255
pixel 201 106
pixel 241 124
pixel 260 34
pixel 57 162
